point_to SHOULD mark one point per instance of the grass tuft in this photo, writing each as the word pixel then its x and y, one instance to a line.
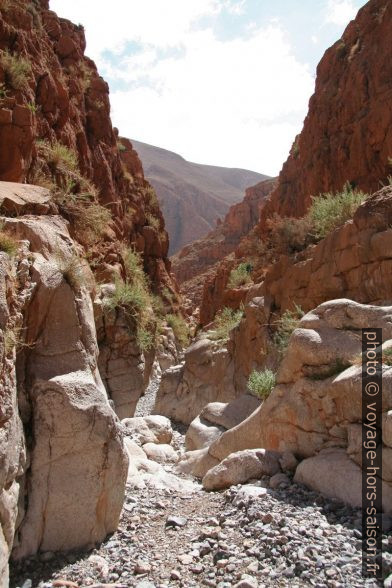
pixel 180 328
pixel 59 156
pixel 91 222
pixel 240 275
pixel 262 383
pixel 225 321
pixel 17 69
pixel 329 210
pixel 134 297
pixel 8 243
pixel 288 322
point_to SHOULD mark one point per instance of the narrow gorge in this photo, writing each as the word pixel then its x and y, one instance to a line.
pixel 195 420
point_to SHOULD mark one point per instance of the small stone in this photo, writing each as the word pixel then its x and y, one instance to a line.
pixel 175 575
pixel 221 563
pixel 246 582
pixel 197 569
pixel 253 567
pixel 176 521
pixel 388 582
pixel 142 567
pixel 185 559
pixel 288 462
pixel 27 584
pixel 267 518
pixel 279 480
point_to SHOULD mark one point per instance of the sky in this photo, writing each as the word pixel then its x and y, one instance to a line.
pixel 221 82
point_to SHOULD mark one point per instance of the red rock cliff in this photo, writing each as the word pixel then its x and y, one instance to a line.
pixel 347 134
pixel 192 264
pixel 60 99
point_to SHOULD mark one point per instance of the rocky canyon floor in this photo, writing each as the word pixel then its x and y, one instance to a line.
pixel 248 536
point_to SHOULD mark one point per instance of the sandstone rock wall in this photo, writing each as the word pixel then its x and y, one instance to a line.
pixel 353 261
pixel 346 137
pixel 347 133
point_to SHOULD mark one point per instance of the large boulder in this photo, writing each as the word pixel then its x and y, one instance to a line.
pixel 230 414
pixel 196 463
pixel 201 434
pixel 335 475
pixel 240 467
pixel 216 418
pixel 74 487
pixel 206 376
pixel 149 429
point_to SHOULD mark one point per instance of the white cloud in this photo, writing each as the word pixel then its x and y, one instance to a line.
pixel 237 102
pixel 340 12
pixel 162 23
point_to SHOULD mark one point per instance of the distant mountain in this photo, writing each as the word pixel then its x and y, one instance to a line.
pixel 192 196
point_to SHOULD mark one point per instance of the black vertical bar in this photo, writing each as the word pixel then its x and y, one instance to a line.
pixel 372 453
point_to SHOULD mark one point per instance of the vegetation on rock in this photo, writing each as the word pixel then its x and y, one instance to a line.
pixel 261 383
pixel 240 275
pixel 133 295
pixel 17 69
pixel 8 243
pixel 180 328
pixel 225 321
pixel 286 324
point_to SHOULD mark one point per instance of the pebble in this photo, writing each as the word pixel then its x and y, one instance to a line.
pixel 142 567
pixel 176 521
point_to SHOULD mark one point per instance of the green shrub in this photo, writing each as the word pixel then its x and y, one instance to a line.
pixel 262 383
pixel 387 356
pixel 180 328
pixel 8 243
pixel 58 156
pixel 91 222
pixel 121 147
pixel 151 197
pixel 32 107
pixel 288 234
pixel 240 275
pixel 134 297
pixel 152 220
pixel 288 322
pixel 225 321
pixel 17 69
pixel 145 339
pixel 329 210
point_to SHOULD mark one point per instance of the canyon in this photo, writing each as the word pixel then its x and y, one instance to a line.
pixel 195 421
pixel 193 197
